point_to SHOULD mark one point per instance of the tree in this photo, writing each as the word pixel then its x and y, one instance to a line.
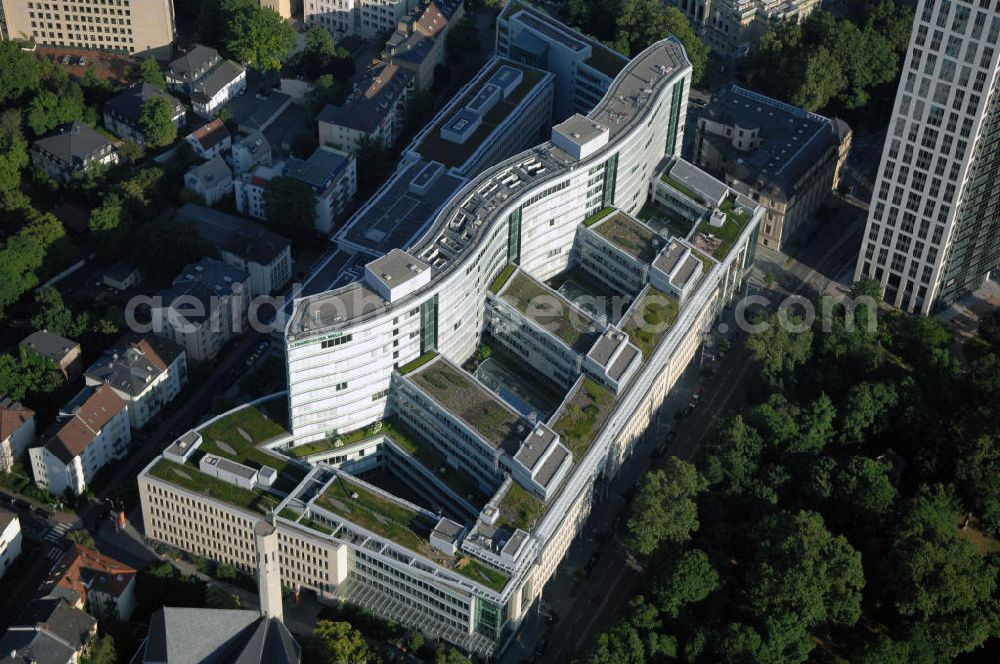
pixel 258 37
pixel 866 410
pixel 217 597
pixel 53 315
pixel 13 158
pixel 822 80
pixel 82 537
pixel 326 90
pixel 690 580
pixel 977 476
pixel 677 24
pixel 863 484
pixel 49 109
pixel 148 71
pixel 131 152
pixel 374 160
pixel 733 455
pixel 102 651
pixel 319 42
pixel 291 207
pixel 448 655
pixel 165 246
pixel 941 585
pixel 337 643
pixel 777 348
pixel 801 569
pixel 157 122
pixel 665 509
pixel 19 73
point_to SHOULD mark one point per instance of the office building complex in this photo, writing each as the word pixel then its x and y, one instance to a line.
pixel 92 432
pixel 496 115
pixel 933 229
pixel 584 67
pixel 124 26
pixel 383 380
pixel 783 157
pixel 731 26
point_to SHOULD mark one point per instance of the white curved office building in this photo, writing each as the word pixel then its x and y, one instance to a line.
pixel 416 484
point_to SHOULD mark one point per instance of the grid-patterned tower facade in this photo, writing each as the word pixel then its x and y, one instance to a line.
pixel 933 229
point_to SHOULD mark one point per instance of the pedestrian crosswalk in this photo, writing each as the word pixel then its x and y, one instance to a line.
pixel 54 554
pixel 55 533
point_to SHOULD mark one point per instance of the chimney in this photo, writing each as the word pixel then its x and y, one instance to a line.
pixel 268 573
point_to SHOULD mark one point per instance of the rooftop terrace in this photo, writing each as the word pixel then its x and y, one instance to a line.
pixel 238 435
pixel 433 147
pixel 551 311
pixel 629 235
pixel 519 509
pixel 582 416
pixel 461 394
pixel 188 477
pixel 737 219
pixel 651 318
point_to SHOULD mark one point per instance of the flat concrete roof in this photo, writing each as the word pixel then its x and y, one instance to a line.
pixel 396 267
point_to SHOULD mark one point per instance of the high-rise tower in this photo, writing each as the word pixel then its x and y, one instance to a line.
pixel 933 229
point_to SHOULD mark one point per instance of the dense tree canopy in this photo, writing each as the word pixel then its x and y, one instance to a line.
pixel 157 122
pixel 257 36
pixel 337 643
pixel 291 207
pixel 846 508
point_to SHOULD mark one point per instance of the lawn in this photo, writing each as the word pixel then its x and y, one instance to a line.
pixel 583 417
pixel 417 363
pixel 597 216
pixel 459 393
pixel 190 478
pixel 237 437
pixel 659 218
pixel 519 508
pixel 502 278
pixel 629 235
pixel 480 573
pixel 651 319
pixel 551 311
pixel 729 233
pixel 327 444
pixel 380 515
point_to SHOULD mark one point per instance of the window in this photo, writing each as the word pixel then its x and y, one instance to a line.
pixel 341 387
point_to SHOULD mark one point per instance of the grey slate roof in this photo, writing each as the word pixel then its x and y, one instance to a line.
pixel 793 139
pixel 212 171
pixel 377 93
pixel 218 636
pixel 133 362
pixel 28 646
pixel 250 241
pixel 319 169
pixel 72 626
pixel 194 63
pixel 6 517
pixel 50 345
pixel 205 280
pixel 73 144
pixel 207 87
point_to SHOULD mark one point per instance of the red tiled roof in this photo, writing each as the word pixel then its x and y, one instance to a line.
pixel 12 417
pixel 81 569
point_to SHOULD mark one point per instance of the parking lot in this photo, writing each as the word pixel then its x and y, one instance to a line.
pixel 105 65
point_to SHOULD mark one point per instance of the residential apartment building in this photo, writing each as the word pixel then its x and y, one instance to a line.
pixel 17 431
pixel 261 253
pixel 146 372
pixel 123 26
pixel 92 431
pixel 207 78
pixel 500 486
pixel 73 148
pixel 87 579
pixel 933 231
pixel 375 109
pixel 249 152
pixel 210 140
pixel 584 67
pixel 64 353
pixel 286 9
pixel 730 27
pixel 10 539
pixel 330 173
pixel 212 180
pixel 418 43
pixel 783 157
pixel 123 112
pixel 369 19
pixel 206 306
pixel 48 631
